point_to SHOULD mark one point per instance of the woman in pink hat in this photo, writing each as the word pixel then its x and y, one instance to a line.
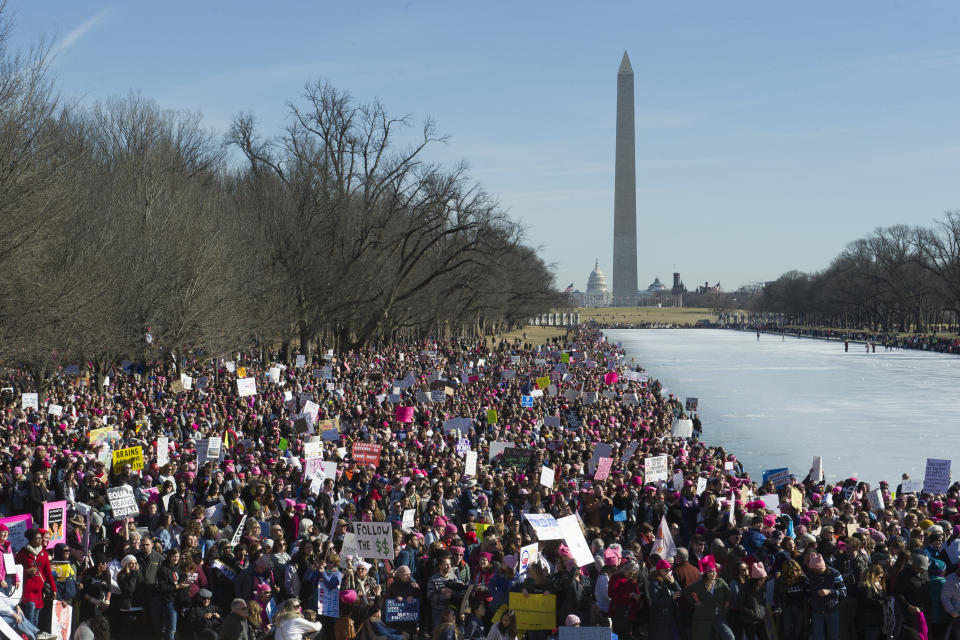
pixel 711 599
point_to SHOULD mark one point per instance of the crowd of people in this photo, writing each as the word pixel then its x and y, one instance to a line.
pixel 252 512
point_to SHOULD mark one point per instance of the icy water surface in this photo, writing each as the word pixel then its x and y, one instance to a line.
pixel 777 403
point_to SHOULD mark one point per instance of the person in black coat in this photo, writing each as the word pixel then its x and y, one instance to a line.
pixel 204 618
pixel 174 591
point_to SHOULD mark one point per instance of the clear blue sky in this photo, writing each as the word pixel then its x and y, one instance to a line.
pixel 769 134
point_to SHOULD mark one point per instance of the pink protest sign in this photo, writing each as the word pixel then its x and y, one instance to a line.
pixel 404 414
pixel 603 469
pixel 611 377
pixel 55 521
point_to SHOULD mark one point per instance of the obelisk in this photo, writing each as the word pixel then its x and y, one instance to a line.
pixel 625 193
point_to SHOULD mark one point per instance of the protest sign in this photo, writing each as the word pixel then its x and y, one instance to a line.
pixel 600 450
pixel 177 387
pixel 328 600
pixel 131 455
pixel 300 362
pixel 498 447
pixel 551 421
pixel 546 477
pixel 771 501
pixel 312 449
pixel 691 404
pixel 911 486
pixel 492 416
pixel 61 619
pixel 423 397
pixel 936 478
pixel 535 611
pixel 584 633
pixel 238 533
pixel 543 382
pixel 573 536
pixel 701 485
pixel 544 526
pixel 186 381
pixel 654 469
pixel 681 428
pixel 779 477
pixel 401 610
pixel 366 453
pixel 470 464
pixel 99 436
pixel 18 526
pixel 875 498
pixel 403 414
pixel 816 472
pixel 122 501
pixel 349 549
pixel 629 451
pixel 528 555
pixel 796 499
pixel 516 457
pixel 438 395
pixel 374 539
pixel 407 520
pixel 603 469
pixel 163 451
pixel 30 401
pixel 526 401
pixel 55 409
pixel 463 425
pixel 55 521
pixel 246 387
pixel 663 544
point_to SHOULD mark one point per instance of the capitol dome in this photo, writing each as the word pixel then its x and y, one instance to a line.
pixel 597 283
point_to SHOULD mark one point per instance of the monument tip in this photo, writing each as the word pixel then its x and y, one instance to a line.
pixel 625 64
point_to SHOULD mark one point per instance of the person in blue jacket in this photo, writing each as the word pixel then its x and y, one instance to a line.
pixel 825 591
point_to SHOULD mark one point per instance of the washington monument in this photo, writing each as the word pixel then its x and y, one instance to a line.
pixel 625 193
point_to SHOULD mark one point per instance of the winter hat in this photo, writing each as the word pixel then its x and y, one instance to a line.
pixel 816 562
pixel 707 563
pixel 571 621
pixel 757 571
pixel 663 565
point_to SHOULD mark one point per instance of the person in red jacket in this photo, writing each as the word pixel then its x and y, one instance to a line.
pixel 36 572
pixel 625 599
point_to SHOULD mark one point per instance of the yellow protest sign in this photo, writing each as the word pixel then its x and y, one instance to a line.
pixel 565 357
pixel 131 455
pixel 535 611
pixel 491 416
pixel 543 382
pixel 241 372
pixel 796 498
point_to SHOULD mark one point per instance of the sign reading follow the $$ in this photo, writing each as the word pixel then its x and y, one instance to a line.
pixel 374 539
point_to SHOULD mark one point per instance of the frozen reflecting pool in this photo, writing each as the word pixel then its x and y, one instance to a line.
pixel 777 403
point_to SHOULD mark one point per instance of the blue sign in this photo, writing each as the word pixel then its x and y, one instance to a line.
pixel 526 401
pixel 400 610
pixel 619 515
pixel 780 477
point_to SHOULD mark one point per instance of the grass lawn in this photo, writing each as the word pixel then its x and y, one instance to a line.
pixel 637 315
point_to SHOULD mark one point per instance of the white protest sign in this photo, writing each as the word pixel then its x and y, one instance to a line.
pixel 817 472
pixel 875 498
pixel 274 374
pixel 528 555
pixel 163 451
pixel 407 521
pixel 186 381
pixel 312 408
pixel 629 451
pixel 911 486
pixel 374 539
pixel 231 366
pixel 246 387
pixel 544 525
pixel 681 428
pixel 349 550
pixel 328 599
pixel 551 421
pixel 546 477
pixel 573 536
pixel 30 401
pixel 54 409
pixel 301 362
pixel 936 478
pixel 771 501
pixel 470 467
pixel 701 485
pixel 498 447
pixel 312 449
pixel 655 469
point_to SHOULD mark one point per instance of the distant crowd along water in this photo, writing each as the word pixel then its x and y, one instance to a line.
pixel 457 490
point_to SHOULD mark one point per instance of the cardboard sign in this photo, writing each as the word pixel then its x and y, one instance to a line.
pixel 366 453
pixel 936 477
pixel 122 501
pixel 374 539
pixel 401 610
pixel 131 455
pixel 692 403
pixel 573 536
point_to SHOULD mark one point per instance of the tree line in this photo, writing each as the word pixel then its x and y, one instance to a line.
pixel 130 231
pixel 900 278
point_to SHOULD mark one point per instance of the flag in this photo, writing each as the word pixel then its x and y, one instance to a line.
pixel 716 287
pixel 663 545
pixel 568 290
